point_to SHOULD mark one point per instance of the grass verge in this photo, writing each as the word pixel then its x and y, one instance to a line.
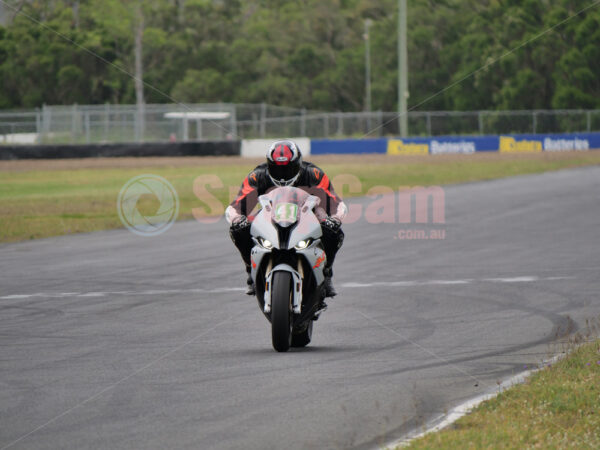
pixel 50 198
pixel 557 407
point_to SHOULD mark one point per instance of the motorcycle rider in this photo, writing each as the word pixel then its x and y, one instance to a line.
pixel 284 167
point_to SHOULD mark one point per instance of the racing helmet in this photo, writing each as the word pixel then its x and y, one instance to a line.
pixel 284 161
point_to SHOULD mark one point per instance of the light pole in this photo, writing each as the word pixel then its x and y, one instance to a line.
pixel 368 23
pixel 402 70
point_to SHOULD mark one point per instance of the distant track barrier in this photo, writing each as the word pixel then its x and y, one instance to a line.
pixel 218 148
pixel 257 148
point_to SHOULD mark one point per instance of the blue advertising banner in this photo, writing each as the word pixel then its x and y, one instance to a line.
pixel 328 146
pixel 516 143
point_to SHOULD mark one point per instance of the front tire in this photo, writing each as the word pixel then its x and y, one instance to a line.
pixel 281 320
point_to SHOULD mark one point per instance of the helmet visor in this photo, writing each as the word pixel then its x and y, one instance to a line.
pixel 284 172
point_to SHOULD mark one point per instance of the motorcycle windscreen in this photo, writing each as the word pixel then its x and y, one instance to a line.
pixel 285 205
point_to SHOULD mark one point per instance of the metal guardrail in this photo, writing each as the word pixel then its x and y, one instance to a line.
pixel 86 124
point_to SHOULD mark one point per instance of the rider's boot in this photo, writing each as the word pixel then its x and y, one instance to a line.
pixel 329 289
pixel 329 292
pixel 250 290
pixel 321 308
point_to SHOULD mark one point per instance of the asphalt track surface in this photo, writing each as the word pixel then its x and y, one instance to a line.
pixel 110 340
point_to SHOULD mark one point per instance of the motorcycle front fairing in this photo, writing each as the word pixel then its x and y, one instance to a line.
pixel 287 233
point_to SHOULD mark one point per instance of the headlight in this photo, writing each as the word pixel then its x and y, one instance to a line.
pixel 302 244
pixel 266 243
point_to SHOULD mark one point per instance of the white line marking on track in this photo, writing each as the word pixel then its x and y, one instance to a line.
pixel 225 290
pixel 513 280
pixel 121 293
pixel 445 282
pixel 522 279
pixel 357 285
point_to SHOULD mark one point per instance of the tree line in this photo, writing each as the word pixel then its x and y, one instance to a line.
pixel 463 54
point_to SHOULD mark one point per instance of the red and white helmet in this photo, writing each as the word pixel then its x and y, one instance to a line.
pixel 284 161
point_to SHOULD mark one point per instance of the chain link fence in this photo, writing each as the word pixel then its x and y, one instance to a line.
pixel 97 124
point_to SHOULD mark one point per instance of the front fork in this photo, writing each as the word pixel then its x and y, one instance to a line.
pixel 296 287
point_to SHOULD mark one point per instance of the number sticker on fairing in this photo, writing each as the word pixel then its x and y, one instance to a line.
pixel 286 212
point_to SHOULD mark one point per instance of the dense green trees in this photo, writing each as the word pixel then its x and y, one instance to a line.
pixel 302 53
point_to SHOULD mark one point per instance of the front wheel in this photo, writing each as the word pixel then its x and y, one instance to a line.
pixel 281 320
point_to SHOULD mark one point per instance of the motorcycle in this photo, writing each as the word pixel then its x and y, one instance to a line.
pixel 287 263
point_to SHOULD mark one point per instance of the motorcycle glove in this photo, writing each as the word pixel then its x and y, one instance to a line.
pixel 239 223
pixel 333 223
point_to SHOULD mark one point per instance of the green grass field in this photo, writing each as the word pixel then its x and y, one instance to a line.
pixel 557 407
pixel 41 199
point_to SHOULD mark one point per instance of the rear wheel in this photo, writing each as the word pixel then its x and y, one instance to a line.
pixel 303 339
pixel 281 320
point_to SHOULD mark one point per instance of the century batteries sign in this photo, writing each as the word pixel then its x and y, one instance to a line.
pixel 441 145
